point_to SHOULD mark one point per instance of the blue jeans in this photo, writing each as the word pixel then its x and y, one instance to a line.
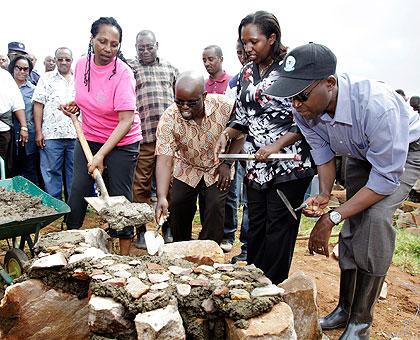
pixel 235 197
pixel 56 162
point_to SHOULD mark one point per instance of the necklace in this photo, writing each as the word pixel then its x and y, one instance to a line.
pixel 264 69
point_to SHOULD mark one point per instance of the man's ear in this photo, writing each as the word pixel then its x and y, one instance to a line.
pixel 331 82
pixel 204 95
pixel 157 45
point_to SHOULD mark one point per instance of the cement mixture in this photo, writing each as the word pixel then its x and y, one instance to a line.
pixel 127 214
pixel 19 206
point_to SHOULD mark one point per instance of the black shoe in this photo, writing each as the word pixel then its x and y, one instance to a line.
pixel 241 257
pixel 366 294
pixel 340 315
pixel 140 243
pixel 167 234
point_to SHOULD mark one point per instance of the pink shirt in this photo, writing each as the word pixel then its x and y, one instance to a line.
pixel 100 107
pixel 217 85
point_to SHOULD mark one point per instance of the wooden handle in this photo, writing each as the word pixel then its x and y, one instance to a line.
pixel 89 156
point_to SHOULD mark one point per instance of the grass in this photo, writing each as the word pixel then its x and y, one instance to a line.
pixel 407 252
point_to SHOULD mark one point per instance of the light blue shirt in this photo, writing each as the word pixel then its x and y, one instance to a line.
pixel 372 122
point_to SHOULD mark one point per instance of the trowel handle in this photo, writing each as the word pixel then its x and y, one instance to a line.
pixel 89 157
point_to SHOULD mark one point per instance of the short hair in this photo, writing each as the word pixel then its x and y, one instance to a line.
pixel 415 101
pixel 216 48
pixel 400 92
pixel 145 33
pixel 63 48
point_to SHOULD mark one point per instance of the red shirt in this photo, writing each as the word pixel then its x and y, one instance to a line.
pixel 217 85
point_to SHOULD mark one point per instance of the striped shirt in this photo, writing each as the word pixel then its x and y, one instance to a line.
pixel 155 86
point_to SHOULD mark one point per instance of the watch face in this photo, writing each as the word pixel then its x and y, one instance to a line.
pixel 335 217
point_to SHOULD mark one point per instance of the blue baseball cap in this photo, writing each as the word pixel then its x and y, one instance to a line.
pixel 16 46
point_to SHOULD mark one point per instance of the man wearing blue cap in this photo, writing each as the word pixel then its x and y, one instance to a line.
pixel 373 126
pixel 15 49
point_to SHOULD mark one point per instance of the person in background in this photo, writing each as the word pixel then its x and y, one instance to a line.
pixel 34 75
pixel 213 62
pixel 49 63
pixel 237 192
pixel 25 157
pixel 186 135
pixel 15 49
pixel 4 61
pixel 371 124
pixel 401 93
pixel 155 85
pixel 269 124
pixel 55 133
pixel 106 98
pixel 415 103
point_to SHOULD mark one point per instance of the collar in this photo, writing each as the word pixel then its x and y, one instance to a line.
pixel 58 74
pixel 222 79
pixel 156 62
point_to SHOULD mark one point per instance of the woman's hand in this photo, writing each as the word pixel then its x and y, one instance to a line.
pixel 223 171
pixel 262 154
pixel 69 109
pixel 97 163
pixel 316 205
pixel 23 136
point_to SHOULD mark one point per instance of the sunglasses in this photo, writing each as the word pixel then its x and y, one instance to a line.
pixel 189 103
pixel 22 68
pixel 304 96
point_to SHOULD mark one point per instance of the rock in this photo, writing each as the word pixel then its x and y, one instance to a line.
pixel 206 268
pixel 134 263
pixel 123 273
pixel 164 323
pixel 197 251
pixel 101 277
pixel 80 274
pixel 234 283
pixel 183 289
pixel 208 306
pixel 32 310
pixel 154 267
pixel 55 260
pixel 142 276
pixel 336 252
pixel 239 294
pixel 216 276
pixel 413 230
pixel 106 316
pixel 199 283
pixel 179 270
pixel 117 281
pixel 300 295
pixel 152 295
pixel 119 267
pixel 228 267
pixel 270 290
pixel 264 280
pixel 274 325
pixel 406 220
pixel 157 278
pixel 384 291
pixel 221 291
pixel 159 286
pixel 89 253
pixel 107 262
pixel 136 288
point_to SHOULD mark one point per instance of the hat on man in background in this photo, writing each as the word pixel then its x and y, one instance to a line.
pixel 301 67
pixel 16 46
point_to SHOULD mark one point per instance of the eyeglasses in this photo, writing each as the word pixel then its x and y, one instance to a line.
pixel 22 68
pixel 62 60
pixel 303 96
pixel 189 103
pixel 143 49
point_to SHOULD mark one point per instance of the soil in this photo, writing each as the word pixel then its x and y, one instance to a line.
pixel 397 316
pixel 18 206
pixel 125 214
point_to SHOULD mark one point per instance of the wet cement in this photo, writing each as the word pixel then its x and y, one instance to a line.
pixel 127 214
pixel 19 206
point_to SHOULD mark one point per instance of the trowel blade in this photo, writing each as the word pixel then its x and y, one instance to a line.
pixel 153 241
pixel 99 203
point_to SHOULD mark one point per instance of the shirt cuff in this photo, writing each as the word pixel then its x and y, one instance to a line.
pixel 322 155
pixel 381 184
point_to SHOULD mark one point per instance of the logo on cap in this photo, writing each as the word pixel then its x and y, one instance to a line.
pixel 289 64
pixel 21 45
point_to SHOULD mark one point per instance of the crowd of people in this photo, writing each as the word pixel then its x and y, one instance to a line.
pixel 144 121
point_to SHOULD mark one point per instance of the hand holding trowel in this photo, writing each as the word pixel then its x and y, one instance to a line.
pixel 154 240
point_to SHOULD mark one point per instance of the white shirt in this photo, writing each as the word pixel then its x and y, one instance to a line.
pixel 10 96
pixel 52 90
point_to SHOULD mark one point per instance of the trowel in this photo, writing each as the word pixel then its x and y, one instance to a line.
pixel 103 200
pixel 153 239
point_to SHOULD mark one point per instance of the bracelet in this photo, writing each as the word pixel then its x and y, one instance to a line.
pixel 24 128
pixel 226 135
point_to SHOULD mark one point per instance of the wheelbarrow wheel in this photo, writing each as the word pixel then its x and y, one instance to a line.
pixel 14 262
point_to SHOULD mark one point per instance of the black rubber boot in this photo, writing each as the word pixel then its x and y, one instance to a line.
pixel 241 257
pixel 367 291
pixel 167 234
pixel 140 242
pixel 340 315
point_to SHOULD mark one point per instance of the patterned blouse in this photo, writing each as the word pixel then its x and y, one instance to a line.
pixel 191 144
pixel 265 119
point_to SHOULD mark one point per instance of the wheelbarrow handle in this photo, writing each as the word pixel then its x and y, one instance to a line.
pixel 89 156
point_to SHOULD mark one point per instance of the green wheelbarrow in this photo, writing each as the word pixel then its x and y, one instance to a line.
pixel 18 233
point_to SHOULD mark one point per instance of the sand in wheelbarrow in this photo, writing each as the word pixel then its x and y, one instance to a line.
pixel 127 214
pixel 19 206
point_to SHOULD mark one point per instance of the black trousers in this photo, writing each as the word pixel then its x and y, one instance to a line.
pixel 118 175
pixel 184 205
pixel 272 228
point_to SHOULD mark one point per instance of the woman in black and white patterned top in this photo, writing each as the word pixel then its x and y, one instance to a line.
pixel 268 123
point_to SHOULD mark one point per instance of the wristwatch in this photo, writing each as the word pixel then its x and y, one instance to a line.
pixel 335 217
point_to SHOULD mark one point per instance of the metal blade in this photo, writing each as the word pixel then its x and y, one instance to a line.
pixel 99 203
pixel 286 203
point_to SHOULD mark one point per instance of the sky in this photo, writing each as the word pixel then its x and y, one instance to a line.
pixel 371 38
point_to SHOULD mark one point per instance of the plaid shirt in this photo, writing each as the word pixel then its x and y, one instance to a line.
pixel 155 85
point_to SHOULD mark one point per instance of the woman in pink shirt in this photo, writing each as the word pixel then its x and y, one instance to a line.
pixel 105 96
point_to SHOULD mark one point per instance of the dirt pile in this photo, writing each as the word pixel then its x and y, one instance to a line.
pixel 19 206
